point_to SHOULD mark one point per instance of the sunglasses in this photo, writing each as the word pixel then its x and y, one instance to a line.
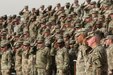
pixel 3 47
pixel 59 43
pixel 40 42
pixel 26 45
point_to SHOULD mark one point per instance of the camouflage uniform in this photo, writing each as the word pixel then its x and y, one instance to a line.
pixel 6 60
pixel 72 56
pixel 31 63
pixel 109 51
pixel 18 62
pixel 97 62
pixel 81 60
pixel 27 61
pixel 82 52
pixel 110 27
pixel 25 13
pixel 42 60
pixel 109 57
pixel 33 29
pixel 0 61
pixel 67 10
pixel 62 61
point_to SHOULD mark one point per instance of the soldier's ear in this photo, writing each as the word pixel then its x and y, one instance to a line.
pixel 97 39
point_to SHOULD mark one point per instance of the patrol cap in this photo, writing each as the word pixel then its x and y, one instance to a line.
pixel 78 21
pixel 111 12
pixel 77 25
pixel 72 42
pixel 47 43
pixel 4 30
pixel 73 13
pixel 99 34
pixel 18 34
pixel 62 15
pixel 89 35
pixel 20 40
pixel 75 1
pixel 59 36
pixel 51 18
pixel 58 3
pixel 109 37
pixel 40 39
pixel 41 6
pixel 106 4
pixel 3 34
pixel 17 44
pixel 57 27
pixel 48 23
pixel 25 30
pixel 81 31
pixel 93 2
pixel 4 43
pixel 87 16
pixel 94 12
pixel 60 40
pixel 49 6
pixel 98 22
pixel 10 18
pixel 102 30
pixel 47 30
pixel 67 3
pixel 66 34
pixel 26 6
pixel 67 21
pixel 26 43
pixel 42 21
pixel 101 16
pixel 96 33
pixel 69 16
pixel 58 31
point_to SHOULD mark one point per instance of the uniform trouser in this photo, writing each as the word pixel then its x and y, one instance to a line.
pixel 82 73
pixel 28 71
pixel 0 72
pixel 32 71
pixel 41 72
pixel 5 72
pixel 96 72
pixel 25 72
pixel 61 72
pixel 18 72
pixel 72 68
pixel 80 70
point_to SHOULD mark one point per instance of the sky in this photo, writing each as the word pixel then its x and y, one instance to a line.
pixel 11 7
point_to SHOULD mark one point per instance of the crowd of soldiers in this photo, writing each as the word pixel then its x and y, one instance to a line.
pixel 48 41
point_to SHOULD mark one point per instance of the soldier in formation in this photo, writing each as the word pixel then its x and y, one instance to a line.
pixel 50 40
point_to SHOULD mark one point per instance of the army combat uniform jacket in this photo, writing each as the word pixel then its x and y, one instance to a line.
pixel 97 62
